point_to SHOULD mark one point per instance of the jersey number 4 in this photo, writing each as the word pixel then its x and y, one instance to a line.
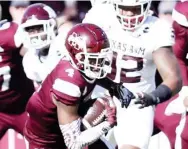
pixel 4 75
pixel 70 72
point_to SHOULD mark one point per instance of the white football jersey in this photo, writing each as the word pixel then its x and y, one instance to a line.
pixel 34 66
pixel 56 52
pixel 133 63
pixel 38 68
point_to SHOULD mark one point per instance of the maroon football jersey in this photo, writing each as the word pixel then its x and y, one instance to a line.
pixel 70 87
pixel 180 49
pixel 15 88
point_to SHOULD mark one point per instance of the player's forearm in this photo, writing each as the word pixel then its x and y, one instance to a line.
pixel 75 139
pixel 168 68
pixel 174 82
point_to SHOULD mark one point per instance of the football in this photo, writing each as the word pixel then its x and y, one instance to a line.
pixel 95 114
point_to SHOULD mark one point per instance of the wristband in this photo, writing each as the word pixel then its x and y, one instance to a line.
pixel 162 93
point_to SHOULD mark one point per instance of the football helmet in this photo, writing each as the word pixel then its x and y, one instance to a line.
pixel 89 50
pixel 42 17
pixel 131 22
pixel 180 13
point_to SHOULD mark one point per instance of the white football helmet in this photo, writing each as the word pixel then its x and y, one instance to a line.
pixel 95 2
pixel 42 16
pixel 135 21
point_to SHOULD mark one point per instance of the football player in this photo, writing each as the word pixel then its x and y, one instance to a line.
pixel 15 87
pixel 171 116
pixel 54 122
pixel 141 43
pixel 40 28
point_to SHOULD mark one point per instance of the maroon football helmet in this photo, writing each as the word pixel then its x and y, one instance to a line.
pixel 42 17
pixel 180 13
pixel 89 50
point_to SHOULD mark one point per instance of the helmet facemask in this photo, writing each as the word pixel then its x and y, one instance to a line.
pixel 39 33
pixel 132 22
pixel 95 65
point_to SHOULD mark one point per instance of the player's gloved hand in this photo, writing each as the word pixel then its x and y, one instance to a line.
pixel 146 100
pixel 122 93
pixel 110 110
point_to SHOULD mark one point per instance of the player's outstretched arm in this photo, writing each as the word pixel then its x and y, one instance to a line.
pixel 70 122
pixel 169 70
pixel 118 90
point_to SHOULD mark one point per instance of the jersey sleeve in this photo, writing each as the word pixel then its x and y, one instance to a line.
pixel 28 65
pixel 184 71
pixel 68 84
pixel 56 52
pixel 33 68
pixel 66 92
pixel 164 34
pixel 18 37
pixel 8 31
pixel 91 16
pixel 98 15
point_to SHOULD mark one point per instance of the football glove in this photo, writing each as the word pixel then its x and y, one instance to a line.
pixel 146 100
pixel 122 94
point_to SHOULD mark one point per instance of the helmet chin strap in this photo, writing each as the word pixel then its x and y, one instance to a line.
pixel 88 79
pixel 43 52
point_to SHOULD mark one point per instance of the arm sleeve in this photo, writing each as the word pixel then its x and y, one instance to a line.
pixel 75 139
pixel 10 40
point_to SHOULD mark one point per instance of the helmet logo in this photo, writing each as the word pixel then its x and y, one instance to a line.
pixel 76 41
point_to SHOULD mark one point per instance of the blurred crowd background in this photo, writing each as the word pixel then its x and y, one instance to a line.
pixel 13 10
